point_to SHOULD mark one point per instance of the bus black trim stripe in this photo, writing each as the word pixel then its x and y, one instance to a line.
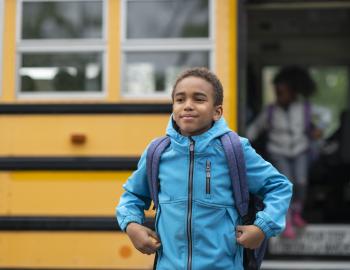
pixel 68 163
pixel 110 108
pixel 61 223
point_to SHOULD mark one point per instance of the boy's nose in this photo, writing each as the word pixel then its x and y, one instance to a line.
pixel 188 105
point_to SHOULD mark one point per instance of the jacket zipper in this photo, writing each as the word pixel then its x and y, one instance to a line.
pixel 207 177
pixel 189 205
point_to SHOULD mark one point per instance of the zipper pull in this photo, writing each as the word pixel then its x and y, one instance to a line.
pixel 208 169
pixel 191 145
pixel 207 176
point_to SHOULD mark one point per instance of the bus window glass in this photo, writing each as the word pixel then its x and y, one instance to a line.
pixel 155 72
pixel 331 97
pixel 174 19
pixel 57 72
pixel 159 40
pixel 1 40
pixel 61 49
pixel 62 20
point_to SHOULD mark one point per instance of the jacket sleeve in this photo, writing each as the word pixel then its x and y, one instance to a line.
pixel 258 125
pixel 136 197
pixel 274 188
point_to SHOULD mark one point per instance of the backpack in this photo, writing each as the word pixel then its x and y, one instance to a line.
pixel 247 204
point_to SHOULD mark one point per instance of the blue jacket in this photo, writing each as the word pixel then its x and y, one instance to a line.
pixel 196 221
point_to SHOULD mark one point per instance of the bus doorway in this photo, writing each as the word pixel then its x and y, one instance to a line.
pixel 314 35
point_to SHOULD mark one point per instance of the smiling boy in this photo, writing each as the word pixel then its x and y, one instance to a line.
pixel 194 107
pixel 197 224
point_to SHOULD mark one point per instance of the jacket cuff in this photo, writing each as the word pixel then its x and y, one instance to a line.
pixel 128 220
pixel 259 222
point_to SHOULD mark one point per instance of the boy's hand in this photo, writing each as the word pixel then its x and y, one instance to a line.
pixel 144 239
pixel 249 236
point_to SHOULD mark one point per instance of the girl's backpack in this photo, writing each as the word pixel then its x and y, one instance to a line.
pixel 247 204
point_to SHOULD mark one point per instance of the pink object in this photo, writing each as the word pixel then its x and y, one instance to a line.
pixel 289 231
pixel 298 220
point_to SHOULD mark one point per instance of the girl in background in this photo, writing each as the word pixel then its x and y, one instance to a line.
pixel 289 131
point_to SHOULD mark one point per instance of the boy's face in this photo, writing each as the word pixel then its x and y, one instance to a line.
pixel 193 106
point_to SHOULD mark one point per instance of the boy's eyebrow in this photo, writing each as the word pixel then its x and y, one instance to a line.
pixel 200 94
pixel 179 93
pixel 195 93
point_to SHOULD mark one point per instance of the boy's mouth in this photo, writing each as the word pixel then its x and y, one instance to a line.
pixel 187 116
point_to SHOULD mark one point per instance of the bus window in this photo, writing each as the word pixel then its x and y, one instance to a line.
pixel 154 73
pixel 61 72
pixel 156 48
pixel 61 49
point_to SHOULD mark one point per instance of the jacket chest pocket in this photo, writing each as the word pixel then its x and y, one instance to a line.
pixel 213 182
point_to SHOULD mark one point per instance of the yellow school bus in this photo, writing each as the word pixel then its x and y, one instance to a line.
pixel 84 86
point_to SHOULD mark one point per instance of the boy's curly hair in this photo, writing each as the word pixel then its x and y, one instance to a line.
pixel 206 74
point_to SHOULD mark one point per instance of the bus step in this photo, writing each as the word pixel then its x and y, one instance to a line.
pixel 305 265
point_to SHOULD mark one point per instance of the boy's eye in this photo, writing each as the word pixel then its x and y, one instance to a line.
pixel 179 99
pixel 200 99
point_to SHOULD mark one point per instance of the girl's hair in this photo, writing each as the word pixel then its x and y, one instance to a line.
pixel 297 78
pixel 206 74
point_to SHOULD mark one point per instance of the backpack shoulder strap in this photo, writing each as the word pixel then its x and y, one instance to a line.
pixel 154 153
pixel 270 110
pixel 307 116
pixel 236 164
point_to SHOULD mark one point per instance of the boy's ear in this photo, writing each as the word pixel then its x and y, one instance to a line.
pixel 218 112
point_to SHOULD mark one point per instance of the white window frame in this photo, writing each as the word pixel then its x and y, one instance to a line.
pixel 163 45
pixel 2 13
pixel 61 46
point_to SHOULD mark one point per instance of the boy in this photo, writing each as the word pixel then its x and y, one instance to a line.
pixel 197 223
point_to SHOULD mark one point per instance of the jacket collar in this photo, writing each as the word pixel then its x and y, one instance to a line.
pixel 202 141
